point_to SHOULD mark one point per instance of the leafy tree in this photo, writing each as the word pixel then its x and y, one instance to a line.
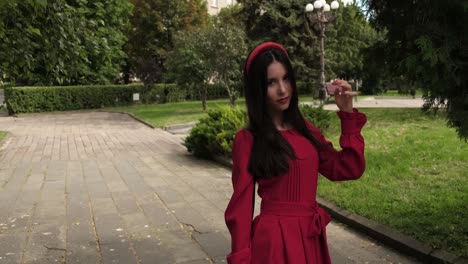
pixel 233 15
pixel 427 43
pixel 212 54
pixel 347 44
pixel 39 43
pixel 284 21
pixel 61 42
pixel 226 50
pixel 189 64
pixel 151 36
pixel 102 33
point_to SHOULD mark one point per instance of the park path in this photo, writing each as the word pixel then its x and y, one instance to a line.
pixel 96 187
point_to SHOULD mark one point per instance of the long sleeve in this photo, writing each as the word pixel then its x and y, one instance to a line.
pixel 349 163
pixel 238 214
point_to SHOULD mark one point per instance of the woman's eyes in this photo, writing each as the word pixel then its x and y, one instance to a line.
pixel 271 82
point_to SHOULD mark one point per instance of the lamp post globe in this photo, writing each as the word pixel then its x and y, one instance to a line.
pixel 335 5
pixel 309 8
pixel 318 4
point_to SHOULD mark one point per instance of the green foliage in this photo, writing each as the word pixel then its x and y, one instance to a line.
pixel 285 22
pixel 214 134
pixel 319 117
pixel 214 54
pixel 347 43
pixel 427 45
pixel 151 36
pixel 307 88
pixel 62 98
pixel 228 50
pixel 62 42
pixel 232 15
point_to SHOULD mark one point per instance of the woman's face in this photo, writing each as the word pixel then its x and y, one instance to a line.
pixel 279 88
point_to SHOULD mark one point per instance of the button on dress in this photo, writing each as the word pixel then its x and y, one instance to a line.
pixel 290 228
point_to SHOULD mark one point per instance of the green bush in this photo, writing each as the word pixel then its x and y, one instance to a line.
pixel 63 98
pixel 316 115
pixel 214 134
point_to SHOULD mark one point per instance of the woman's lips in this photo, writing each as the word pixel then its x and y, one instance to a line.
pixel 283 100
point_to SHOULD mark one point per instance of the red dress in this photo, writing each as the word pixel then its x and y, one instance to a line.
pixel 290 227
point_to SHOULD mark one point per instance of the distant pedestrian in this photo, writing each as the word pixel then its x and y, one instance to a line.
pixel 284 153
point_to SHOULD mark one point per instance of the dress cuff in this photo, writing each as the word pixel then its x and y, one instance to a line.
pixel 239 257
pixel 352 123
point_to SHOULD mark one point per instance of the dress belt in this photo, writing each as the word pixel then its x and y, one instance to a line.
pixel 314 219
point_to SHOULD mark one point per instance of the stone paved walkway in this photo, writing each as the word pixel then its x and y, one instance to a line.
pixel 100 187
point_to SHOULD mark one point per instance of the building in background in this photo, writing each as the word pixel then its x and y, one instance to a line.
pixel 214 6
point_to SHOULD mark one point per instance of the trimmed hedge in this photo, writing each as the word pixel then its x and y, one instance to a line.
pixel 64 98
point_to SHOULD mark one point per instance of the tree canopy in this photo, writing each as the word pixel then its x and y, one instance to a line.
pixel 427 43
pixel 285 22
pixel 151 36
pixel 62 42
pixel 213 54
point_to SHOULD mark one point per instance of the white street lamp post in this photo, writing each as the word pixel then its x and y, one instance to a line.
pixel 318 16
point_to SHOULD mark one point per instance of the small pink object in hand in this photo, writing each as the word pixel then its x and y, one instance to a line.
pixel 331 88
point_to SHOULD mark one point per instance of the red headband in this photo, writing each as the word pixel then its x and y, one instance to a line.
pixel 260 49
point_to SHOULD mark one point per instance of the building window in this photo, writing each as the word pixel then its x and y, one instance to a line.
pixel 229 2
pixel 214 3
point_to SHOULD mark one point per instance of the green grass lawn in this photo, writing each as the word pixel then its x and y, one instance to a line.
pixel 416 179
pixel 160 115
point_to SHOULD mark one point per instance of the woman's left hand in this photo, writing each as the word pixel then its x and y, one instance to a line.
pixel 344 97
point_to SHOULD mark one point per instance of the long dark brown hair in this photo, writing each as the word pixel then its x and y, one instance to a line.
pixel 270 151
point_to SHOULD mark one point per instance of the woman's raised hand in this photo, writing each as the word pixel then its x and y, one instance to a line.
pixel 344 96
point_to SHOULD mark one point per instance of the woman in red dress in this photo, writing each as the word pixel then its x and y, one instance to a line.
pixel 284 153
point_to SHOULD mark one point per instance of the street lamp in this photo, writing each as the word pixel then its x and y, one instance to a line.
pixel 318 16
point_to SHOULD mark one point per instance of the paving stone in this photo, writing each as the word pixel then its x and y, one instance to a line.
pixel 11 247
pixel 219 259
pixel 98 190
pixel 47 243
pixel 81 242
pixel 160 217
pixel 103 207
pixel 189 216
pixel 181 246
pixel 198 261
pixel 150 250
pixel 125 203
pixel 137 226
pixel 214 244
pixel 118 252
pixel 168 195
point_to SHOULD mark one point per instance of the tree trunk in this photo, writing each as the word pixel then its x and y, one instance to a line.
pixel 232 97
pixel 203 97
